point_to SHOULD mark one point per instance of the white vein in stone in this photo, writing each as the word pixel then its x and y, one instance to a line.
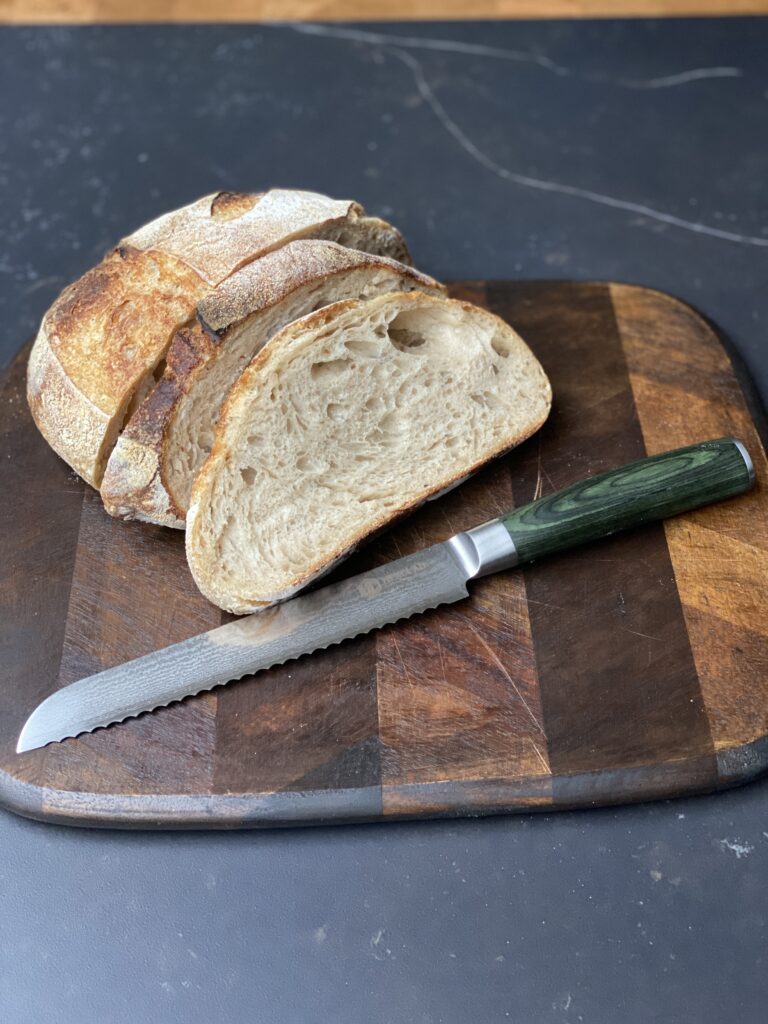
pixel 498 53
pixel 544 185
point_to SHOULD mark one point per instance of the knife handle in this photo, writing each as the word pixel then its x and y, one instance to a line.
pixel 641 492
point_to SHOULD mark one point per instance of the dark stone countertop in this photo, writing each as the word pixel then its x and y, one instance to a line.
pixel 625 150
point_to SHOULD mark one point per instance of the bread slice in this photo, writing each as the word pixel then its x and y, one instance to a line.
pixel 150 472
pixel 346 420
pixel 103 338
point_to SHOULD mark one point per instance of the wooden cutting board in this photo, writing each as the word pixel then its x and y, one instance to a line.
pixel 633 669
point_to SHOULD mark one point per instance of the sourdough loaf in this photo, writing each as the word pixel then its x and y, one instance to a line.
pixel 347 419
pixel 150 472
pixel 103 339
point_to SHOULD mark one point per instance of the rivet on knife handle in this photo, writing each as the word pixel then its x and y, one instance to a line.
pixel 641 492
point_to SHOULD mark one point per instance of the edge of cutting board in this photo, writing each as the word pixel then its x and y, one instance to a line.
pixel 736 765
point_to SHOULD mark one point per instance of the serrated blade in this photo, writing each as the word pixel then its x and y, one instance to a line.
pixel 337 612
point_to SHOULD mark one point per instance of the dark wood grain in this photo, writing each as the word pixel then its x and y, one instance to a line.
pixel 607 617
pixel 688 398
pixel 626 670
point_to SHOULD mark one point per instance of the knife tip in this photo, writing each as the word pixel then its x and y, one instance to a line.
pixel 34 733
pixel 27 741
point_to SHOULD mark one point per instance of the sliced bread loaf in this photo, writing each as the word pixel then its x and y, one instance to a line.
pixel 150 472
pixel 347 419
pixel 101 341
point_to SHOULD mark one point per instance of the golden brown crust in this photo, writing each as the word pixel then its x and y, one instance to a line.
pixel 117 319
pixel 201 492
pixel 72 425
pixel 105 334
pixel 95 345
pixel 230 205
pixel 387 239
pixel 136 484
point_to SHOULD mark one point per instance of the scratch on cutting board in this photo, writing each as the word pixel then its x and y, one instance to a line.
pixel 402 662
pixel 537 491
pixel 542 184
pixel 446 517
pixel 442 660
pixel 512 683
pixel 638 633
pixel 540 471
pixel 397 546
pixel 540 756
pixel 545 604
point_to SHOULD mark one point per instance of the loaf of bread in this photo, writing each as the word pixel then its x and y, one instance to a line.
pixel 151 470
pixel 103 342
pixel 270 372
pixel 347 419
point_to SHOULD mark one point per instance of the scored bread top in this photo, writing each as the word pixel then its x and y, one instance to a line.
pixel 97 343
pixel 269 280
pixel 346 420
pixel 101 341
pixel 220 232
pixel 150 472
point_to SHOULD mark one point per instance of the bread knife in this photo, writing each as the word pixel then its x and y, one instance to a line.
pixel 644 491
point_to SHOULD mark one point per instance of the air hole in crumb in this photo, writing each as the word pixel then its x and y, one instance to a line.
pixel 248 473
pixel 450 442
pixel 499 348
pixel 363 347
pixel 405 340
pixel 335 411
pixel 330 369
pixel 390 423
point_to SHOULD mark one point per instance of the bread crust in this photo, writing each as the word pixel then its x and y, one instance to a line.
pixel 221 232
pixel 386 237
pixel 136 484
pixel 201 493
pixel 71 424
pixel 105 334
pixel 97 343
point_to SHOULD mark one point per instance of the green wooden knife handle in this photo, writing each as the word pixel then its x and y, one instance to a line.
pixel 641 492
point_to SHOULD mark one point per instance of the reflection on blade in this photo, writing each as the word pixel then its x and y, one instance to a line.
pixel 338 612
